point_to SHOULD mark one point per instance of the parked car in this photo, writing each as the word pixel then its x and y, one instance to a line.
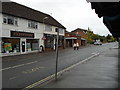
pixel 97 42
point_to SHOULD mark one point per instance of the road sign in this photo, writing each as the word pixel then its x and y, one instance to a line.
pixel 43 38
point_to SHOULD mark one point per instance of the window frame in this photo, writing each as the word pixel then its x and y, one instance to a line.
pixel 61 31
pixel 5 18
pixel 48 28
pixel 10 20
pixel 32 24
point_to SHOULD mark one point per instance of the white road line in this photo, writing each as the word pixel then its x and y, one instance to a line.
pixel 18 66
pixel 94 53
pixel 60 72
pixel 13 78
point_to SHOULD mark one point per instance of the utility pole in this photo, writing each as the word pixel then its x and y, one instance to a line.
pixel 57 30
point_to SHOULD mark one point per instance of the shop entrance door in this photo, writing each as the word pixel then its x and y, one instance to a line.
pixel 23 46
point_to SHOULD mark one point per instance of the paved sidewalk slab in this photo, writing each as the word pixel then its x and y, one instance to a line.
pixel 99 72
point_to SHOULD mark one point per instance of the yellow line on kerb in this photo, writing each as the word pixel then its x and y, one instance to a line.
pixel 60 72
pixel 39 82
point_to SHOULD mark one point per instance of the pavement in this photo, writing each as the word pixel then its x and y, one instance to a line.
pixel 98 72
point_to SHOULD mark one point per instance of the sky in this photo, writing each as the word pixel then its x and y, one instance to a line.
pixel 72 14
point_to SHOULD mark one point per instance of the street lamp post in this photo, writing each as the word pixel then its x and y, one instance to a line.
pixel 44 23
pixel 44 26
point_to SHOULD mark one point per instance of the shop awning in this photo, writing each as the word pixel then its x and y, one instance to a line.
pixel 71 38
pixel 83 39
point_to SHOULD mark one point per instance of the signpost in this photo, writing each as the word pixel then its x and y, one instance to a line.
pixel 43 38
pixel 57 30
pixel 118 39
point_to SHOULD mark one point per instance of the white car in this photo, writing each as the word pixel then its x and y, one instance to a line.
pixel 97 42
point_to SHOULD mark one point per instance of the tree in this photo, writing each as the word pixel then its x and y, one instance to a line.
pixel 110 38
pixel 96 37
pixel 89 36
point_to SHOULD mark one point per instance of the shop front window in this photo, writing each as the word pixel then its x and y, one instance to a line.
pixel 49 42
pixel 28 46
pixel 32 45
pixel 10 45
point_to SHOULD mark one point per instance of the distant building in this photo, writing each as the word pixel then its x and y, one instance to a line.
pixel 24 29
pixel 72 38
pixel 82 33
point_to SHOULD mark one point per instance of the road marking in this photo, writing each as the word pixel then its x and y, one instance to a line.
pixel 94 53
pixel 18 66
pixel 12 78
pixel 60 72
pixel 32 70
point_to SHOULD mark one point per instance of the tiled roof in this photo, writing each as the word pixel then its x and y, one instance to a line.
pixel 71 33
pixel 78 30
pixel 18 10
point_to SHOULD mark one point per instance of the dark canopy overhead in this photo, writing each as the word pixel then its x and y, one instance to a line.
pixel 110 11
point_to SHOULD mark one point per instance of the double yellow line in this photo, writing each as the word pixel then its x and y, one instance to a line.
pixel 60 72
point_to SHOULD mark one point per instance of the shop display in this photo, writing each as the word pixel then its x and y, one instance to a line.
pixel 7 47
pixel 17 48
pixel 28 47
pixel 35 46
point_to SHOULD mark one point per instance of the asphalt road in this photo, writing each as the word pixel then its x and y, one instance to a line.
pixel 98 72
pixel 21 71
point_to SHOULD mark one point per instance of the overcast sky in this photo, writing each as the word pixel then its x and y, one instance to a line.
pixel 70 13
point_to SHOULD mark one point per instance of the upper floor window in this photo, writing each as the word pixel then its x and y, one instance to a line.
pixel 32 24
pixel 48 28
pixel 61 31
pixel 85 32
pixel 10 20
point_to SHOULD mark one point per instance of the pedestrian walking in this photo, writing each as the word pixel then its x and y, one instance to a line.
pixel 74 46
pixel 77 46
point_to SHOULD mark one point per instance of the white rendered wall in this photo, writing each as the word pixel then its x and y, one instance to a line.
pixel 22 26
pixel 53 31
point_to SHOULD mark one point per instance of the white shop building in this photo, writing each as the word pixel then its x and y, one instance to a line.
pixel 22 28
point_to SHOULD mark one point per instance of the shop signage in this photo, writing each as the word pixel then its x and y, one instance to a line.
pixel 43 38
pixel 22 34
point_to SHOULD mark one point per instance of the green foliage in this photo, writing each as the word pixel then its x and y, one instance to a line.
pixel 110 38
pixel 91 37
